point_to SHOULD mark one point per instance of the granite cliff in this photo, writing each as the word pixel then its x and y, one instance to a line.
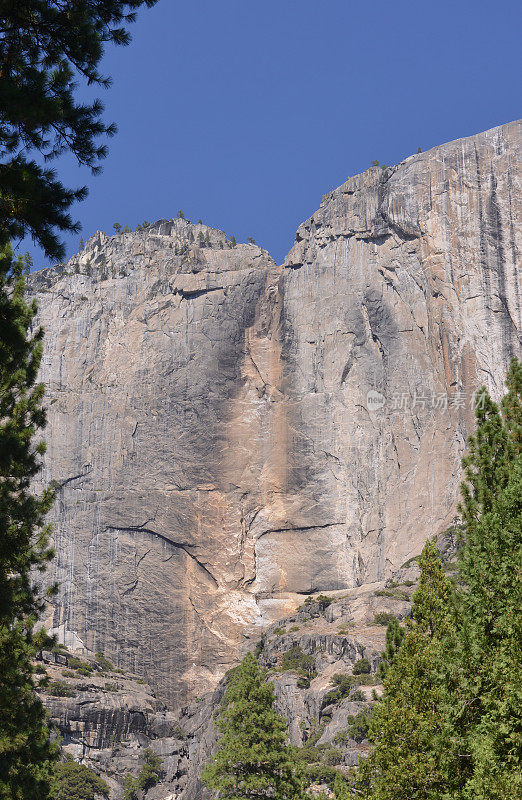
pixel 228 436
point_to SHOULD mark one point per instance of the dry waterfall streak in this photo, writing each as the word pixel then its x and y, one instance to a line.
pixel 289 429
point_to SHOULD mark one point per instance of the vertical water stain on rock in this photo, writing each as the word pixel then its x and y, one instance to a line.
pixel 209 423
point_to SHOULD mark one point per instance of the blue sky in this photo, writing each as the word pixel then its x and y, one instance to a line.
pixel 244 113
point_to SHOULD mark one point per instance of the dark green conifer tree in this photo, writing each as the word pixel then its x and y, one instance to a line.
pixel 72 781
pixel 408 726
pixel 490 569
pixel 45 47
pixel 152 770
pixel 25 750
pixel 394 637
pixel 253 760
pixel 150 775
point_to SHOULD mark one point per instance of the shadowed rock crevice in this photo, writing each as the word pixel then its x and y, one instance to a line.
pixel 176 545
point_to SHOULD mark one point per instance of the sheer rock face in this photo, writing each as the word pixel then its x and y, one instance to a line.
pixel 143 360
pixel 405 282
pixel 210 425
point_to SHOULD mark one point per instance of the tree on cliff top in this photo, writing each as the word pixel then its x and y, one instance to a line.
pixel 253 760
pixel 45 46
pixel 25 750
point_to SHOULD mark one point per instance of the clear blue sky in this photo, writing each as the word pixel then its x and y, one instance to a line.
pixel 244 113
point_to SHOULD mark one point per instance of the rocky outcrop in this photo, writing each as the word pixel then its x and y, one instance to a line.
pixel 333 634
pixel 228 435
pixel 107 718
pixel 333 637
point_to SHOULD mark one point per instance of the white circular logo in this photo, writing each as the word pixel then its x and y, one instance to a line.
pixel 374 400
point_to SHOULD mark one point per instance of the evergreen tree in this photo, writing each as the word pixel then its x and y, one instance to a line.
pixel 152 770
pixel 408 726
pixel 72 781
pixel 493 653
pixel 130 788
pixel 25 750
pixel 394 637
pixel 45 46
pixel 253 760
pixel 490 569
pixel 150 775
pixel 512 408
pixel 341 789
